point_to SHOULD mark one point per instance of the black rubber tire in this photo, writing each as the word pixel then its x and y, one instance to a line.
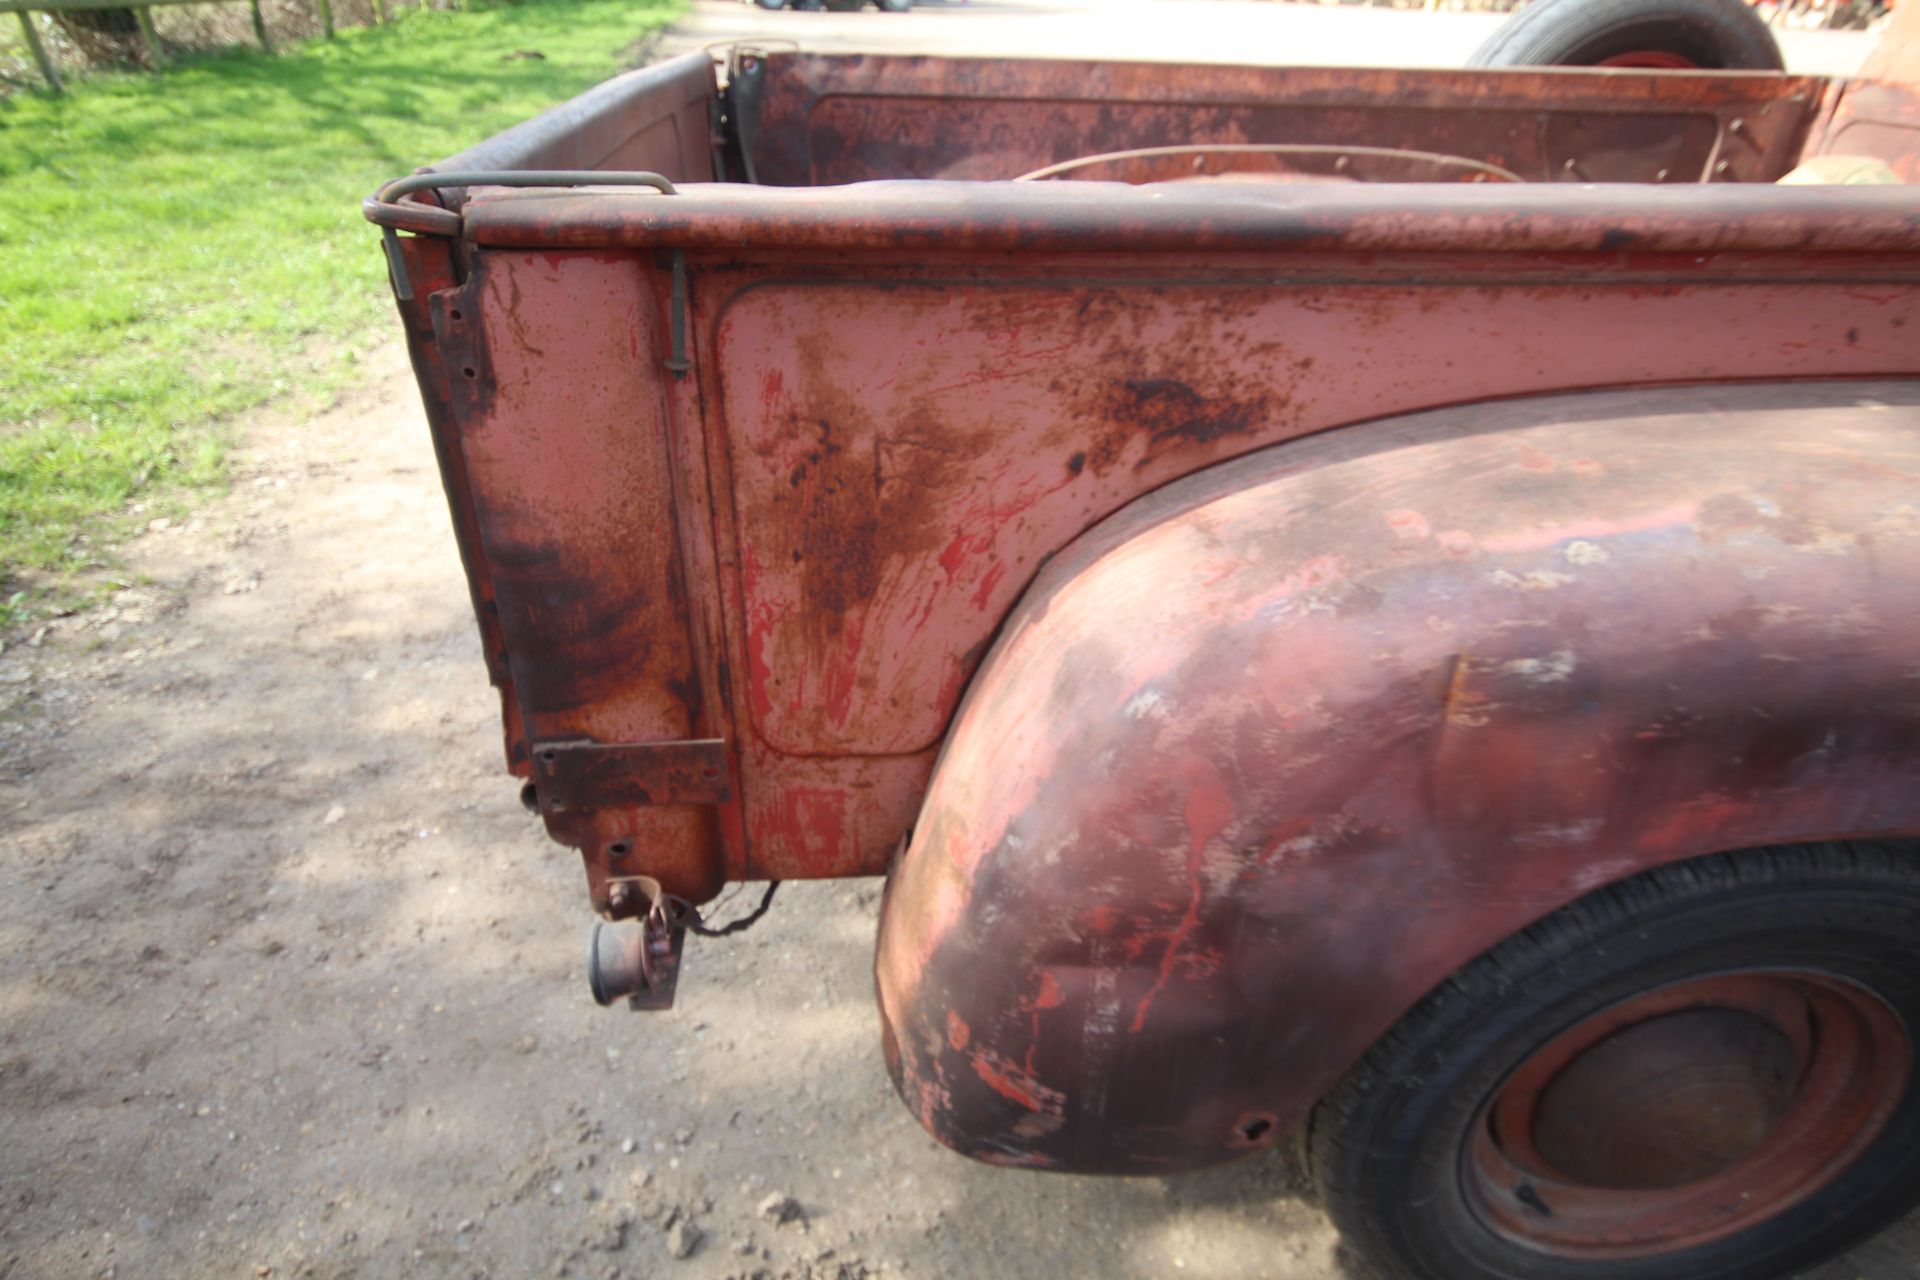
pixel 1715 35
pixel 1386 1147
pixel 771 4
pixel 894 6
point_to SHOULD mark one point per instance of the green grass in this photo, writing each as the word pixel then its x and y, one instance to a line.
pixel 175 249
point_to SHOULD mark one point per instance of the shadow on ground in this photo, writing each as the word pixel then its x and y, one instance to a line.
pixel 290 985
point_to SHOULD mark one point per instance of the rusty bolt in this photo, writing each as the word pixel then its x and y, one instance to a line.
pixel 1723 166
pixel 1735 125
pixel 1662 175
pixel 619 895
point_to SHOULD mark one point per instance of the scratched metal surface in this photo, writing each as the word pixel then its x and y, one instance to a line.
pixel 813 120
pixel 888 456
pixel 1257 762
pixel 906 396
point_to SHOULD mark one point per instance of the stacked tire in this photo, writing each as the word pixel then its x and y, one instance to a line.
pixel 1674 35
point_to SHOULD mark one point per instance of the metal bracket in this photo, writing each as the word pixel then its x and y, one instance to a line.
pixel 579 777
pixel 677 362
pixel 661 945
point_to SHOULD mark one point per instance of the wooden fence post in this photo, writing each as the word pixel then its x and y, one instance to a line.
pixel 379 13
pixel 39 51
pixel 260 26
pixel 326 16
pixel 150 36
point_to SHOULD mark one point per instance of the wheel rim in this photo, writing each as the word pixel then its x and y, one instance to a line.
pixel 1650 60
pixel 1686 1114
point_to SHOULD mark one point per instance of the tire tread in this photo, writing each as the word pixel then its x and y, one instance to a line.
pixel 1334 1141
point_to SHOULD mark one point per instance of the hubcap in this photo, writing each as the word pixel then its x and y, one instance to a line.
pixel 1686 1114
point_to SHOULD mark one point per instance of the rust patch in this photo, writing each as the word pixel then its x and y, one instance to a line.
pixel 466 356
pixel 1169 410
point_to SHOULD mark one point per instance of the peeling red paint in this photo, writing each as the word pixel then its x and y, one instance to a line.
pixel 1209 808
pixel 1049 996
pixel 1549 535
pixel 759 669
pixel 815 817
pixel 843 673
pixel 1532 459
pixel 1012 1083
pixel 989 582
pixel 1408 523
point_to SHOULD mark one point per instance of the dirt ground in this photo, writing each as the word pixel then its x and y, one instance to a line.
pixel 290 985
pixel 289 980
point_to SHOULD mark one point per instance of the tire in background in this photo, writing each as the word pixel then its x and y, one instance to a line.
pixel 1710 35
pixel 1728 1034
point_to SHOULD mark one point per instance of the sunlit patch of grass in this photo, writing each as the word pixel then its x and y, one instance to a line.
pixel 172 246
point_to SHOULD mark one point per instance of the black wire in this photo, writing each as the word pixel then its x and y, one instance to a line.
pixel 690 916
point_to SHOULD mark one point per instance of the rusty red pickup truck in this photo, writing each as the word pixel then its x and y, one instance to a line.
pixel 1375 605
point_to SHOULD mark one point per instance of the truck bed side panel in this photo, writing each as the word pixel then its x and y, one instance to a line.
pixel 908 448
pixel 807 120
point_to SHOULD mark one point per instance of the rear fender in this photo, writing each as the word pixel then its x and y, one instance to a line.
pixel 1259 761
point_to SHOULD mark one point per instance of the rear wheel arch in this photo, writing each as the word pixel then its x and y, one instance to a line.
pixel 1086 904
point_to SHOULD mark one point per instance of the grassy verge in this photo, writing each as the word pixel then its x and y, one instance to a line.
pixel 177 248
